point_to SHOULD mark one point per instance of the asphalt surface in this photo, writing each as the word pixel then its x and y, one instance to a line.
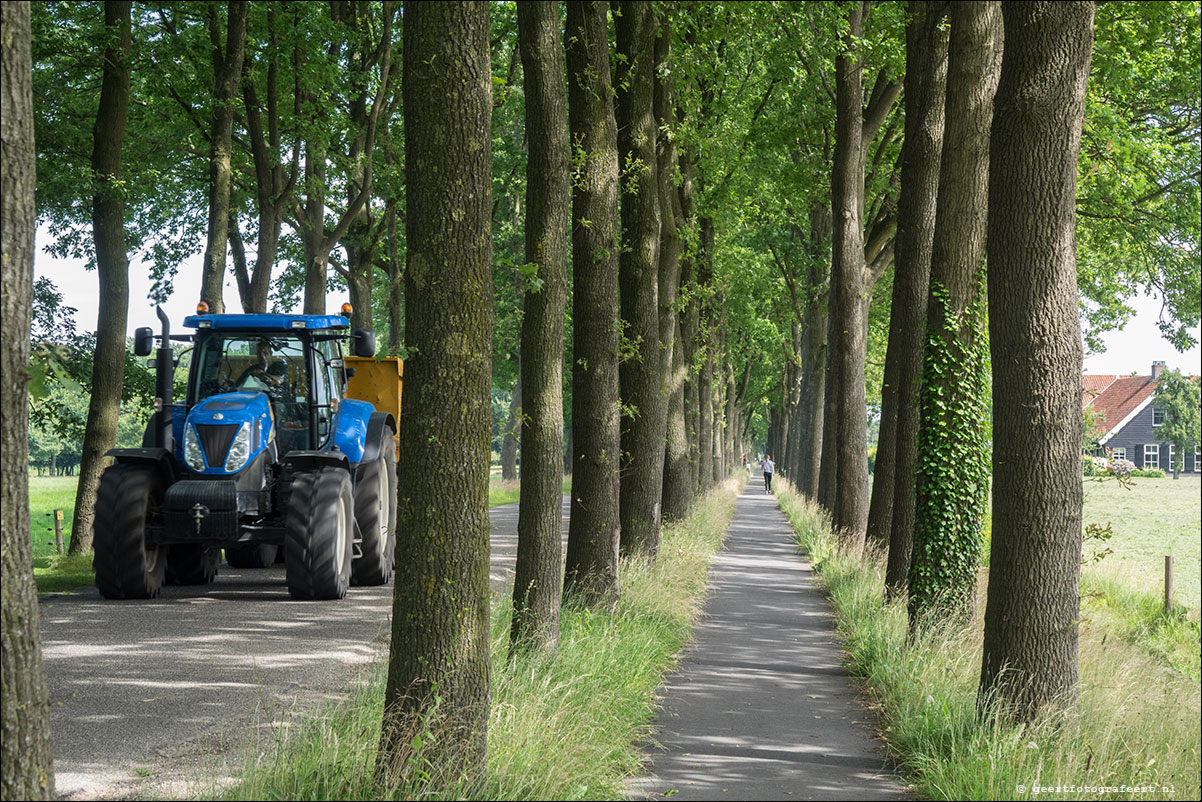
pixel 761 707
pixel 147 693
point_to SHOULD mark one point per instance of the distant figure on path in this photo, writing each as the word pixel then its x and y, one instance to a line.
pixel 768 466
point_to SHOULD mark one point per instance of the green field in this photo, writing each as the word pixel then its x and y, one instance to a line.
pixel 1156 517
pixel 47 493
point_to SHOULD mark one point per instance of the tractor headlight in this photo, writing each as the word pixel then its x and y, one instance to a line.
pixel 239 450
pixel 192 452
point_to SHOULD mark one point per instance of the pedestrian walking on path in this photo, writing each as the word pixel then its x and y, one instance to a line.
pixel 769 467
pixel 761 707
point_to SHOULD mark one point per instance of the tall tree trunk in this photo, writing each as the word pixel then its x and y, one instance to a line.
pixel 25 752
pixel 273 188
pixel 641 372
pixel 227 72
pixel 676 493
pixel 926 82
pixel 316 239
pixel 829 460
pixel 537 582
pixel 396 286
pixel 440 630
pixel 594 531
pixel 690 332
pixel 513 430
pixel 313 240
pixel 850 511
pixel 814 352
pixel 955 384
pixel 678 477
pixel 1033 608
pixel 731 417
pixel 112 269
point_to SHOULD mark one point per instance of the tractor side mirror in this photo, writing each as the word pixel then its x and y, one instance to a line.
pixel 143 341
pixel 363 343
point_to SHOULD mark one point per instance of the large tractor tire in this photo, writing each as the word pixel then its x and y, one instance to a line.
pixel 192 564
pixel 319 534
pixel 252 555
pixel 375 512
pixel 128 500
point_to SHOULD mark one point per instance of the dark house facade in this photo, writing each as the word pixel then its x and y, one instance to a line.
pixel 1130 420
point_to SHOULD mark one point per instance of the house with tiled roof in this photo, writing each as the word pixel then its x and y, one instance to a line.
pixel 1129 419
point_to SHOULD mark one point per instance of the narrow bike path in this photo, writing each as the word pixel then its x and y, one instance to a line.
pixel 761 707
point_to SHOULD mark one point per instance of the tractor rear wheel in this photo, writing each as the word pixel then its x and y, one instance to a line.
pixel 252 555
pixel 192 564
pixel 128 501
pixel 318 534
pixel 375 512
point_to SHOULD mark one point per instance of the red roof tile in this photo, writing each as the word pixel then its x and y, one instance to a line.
pixel 1092 385
pixel 1121 397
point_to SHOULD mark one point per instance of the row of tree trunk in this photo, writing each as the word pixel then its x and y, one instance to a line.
pixel 977 154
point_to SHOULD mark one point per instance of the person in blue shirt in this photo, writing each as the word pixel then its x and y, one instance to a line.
pixel 768 467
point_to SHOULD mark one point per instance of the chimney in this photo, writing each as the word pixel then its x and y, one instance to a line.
pixel 1157 369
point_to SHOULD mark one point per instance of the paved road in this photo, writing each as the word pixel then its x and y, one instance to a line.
pixel 139 686
pixel 761 707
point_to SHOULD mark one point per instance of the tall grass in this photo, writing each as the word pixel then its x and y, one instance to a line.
pixel 1137 723
pixel 563 725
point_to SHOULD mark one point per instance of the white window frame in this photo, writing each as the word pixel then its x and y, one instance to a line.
pixel 1156 411
pixel 1197 465
pixel 1149 449
pixel 1118 453
pixel 1169 468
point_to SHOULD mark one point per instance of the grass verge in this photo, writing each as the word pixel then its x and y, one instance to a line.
pixel 568 725
pixel 1136 734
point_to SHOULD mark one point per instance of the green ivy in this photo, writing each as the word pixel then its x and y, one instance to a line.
pixel 954 464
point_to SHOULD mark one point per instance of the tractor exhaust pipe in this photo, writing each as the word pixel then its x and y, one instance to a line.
pixel 164 381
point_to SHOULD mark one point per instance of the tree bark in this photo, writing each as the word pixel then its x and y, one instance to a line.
pixel 1033 608
pixel 273 186
pixel 926 82
pixel 954 407
pixel 814 354
pixel 676 494
pixel 227 73
pixel 25 751
pixel 846 387
pixel 641 371
pixel 112 269
pixel 594 532
pixel 690 333
pixel 537 582
pixel 440 619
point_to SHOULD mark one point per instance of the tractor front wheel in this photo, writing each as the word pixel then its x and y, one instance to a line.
pixel 318 534
pixel 375 512
pixel 128 501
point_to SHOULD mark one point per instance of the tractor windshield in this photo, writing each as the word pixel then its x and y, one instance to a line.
pixel 272 364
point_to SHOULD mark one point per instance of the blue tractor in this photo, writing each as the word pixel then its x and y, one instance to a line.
pixel 265 453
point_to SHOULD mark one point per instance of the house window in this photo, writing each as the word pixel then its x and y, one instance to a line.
pixel 1169 465
pixel 1157 416
pixel 1118 453
pixel 1152 455
pixel 1197 466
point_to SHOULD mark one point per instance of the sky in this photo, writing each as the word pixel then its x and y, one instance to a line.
pixel 1131 350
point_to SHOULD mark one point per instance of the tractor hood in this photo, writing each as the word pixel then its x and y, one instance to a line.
pixel 224 433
